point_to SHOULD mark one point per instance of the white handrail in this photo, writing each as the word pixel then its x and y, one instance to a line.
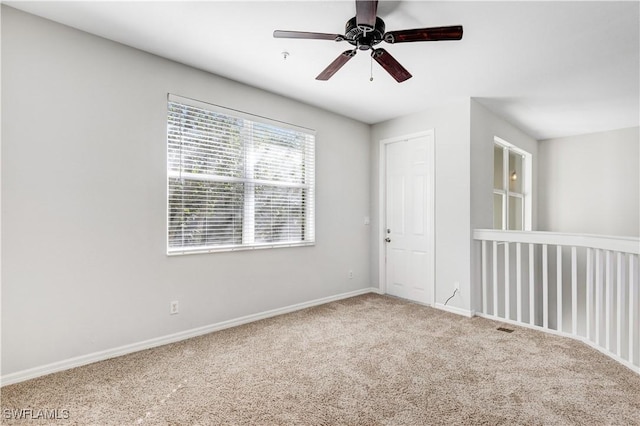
pixel 603 242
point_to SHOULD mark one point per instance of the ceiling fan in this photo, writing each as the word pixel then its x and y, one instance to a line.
pixel 366 30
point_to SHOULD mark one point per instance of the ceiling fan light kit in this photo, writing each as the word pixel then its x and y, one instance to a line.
pixel 366 30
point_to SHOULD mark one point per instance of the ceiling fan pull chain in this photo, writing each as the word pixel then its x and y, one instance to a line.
pixel 371 78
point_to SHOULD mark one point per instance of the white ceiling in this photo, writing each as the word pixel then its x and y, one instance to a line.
pixel 551 68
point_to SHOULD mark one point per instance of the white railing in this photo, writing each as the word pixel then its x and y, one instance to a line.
pixel 587 289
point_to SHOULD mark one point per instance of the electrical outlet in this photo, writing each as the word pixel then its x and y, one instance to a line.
pixel 173 308
pixel 350 274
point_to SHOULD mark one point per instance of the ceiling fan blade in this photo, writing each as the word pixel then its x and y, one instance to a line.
pixel 306 35
pixel 366 12
pixel 424 34
pixel 336 64
pixel 392 66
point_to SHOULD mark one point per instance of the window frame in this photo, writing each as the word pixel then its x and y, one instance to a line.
pixel 248 206
pixel 526 195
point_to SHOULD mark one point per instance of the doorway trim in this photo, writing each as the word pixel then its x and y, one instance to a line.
pixel 382 191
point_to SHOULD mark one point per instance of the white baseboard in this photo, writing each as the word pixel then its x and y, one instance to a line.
pixel 21 376
pixel 459 311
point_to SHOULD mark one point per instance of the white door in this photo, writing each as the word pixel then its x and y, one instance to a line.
pixel 408 231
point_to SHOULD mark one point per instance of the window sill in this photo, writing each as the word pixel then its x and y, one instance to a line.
pixel 180 252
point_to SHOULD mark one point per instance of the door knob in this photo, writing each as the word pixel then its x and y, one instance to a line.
pixel 388 239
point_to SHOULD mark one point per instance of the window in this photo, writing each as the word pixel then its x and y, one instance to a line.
pixel 236 181
pixel 511 187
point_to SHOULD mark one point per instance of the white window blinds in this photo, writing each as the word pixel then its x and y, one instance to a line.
pixel 236 181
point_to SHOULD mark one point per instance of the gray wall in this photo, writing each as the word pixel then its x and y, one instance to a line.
pixel 452 202
pixel 591 183
pixel 484 126
pixel 84 267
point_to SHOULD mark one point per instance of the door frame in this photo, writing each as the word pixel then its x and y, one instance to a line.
pixel 382 211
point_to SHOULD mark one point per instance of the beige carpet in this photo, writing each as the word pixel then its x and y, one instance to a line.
pixel 363 361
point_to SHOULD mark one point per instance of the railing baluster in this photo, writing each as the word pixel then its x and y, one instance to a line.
pixel 598 294
pixel 633 325
pixel 574 290
pixel 518 282
pixel 619 303
pixel 484 277
pixel 545 288
pixel 589 295
pixel 608 300
pixel 559 287
pixel 507 283
pixel 532 286
pixel 495 278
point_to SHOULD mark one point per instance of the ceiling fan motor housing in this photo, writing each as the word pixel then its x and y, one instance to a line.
pixel 361 38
